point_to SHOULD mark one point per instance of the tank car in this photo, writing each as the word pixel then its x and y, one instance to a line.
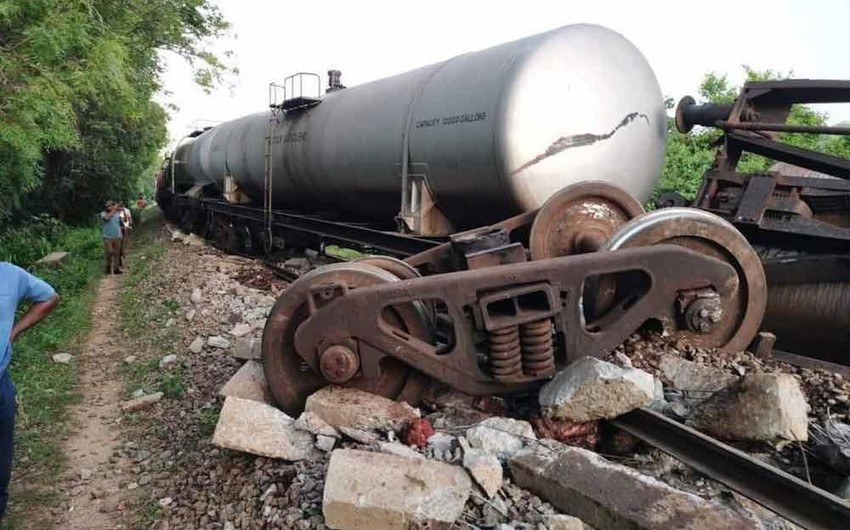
pixel 450 146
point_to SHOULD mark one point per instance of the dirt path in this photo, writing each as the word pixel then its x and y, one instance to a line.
pixel 96 483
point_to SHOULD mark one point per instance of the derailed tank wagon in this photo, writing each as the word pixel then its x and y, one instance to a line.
pixel 512 178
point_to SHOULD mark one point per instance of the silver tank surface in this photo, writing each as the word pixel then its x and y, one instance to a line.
pixel 499 131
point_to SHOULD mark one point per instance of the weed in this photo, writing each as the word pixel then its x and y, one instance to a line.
pixel 207 420
pixel 171 384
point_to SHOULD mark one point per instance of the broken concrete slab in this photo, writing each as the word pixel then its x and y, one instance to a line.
pixel 352 408
pixel 697 380
pixel 141 402
pixel 249 382
pixel 502 437
pixel 485 468
pixel 591 389
pixel 375 491
pixel 763 407
pixel 247 348
pixel 53 259
pixel 607 495
pixel 312 423
pixel 360 436
pixel 260 429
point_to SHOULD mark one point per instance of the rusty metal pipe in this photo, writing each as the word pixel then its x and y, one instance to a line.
pixel 688 114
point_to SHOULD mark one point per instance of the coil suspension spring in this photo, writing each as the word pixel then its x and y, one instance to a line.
pixel 538 354
pixel 505 353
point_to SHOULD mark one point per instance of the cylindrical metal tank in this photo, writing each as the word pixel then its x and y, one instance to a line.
pixel 495 132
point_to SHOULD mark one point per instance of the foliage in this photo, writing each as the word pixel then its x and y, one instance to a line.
pixel 688 156
pixel 46 389
pixel 77 124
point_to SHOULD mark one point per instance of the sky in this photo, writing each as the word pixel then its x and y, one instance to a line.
pixel 370 39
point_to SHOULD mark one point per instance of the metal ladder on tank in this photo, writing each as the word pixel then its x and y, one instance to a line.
pixel 268 169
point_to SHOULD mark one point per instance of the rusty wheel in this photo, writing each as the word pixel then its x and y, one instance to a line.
pixel 291 380
pixel 740 314
pixel 397 267
pixel 580 219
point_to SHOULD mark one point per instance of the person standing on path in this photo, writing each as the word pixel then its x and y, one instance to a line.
pixel 111 235
pixel 126 226
pixel 16 285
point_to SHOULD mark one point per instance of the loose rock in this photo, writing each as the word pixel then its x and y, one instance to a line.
pixel 260 429
pixel 325 443
pixel 312 423
pixel 248 383
pixel 485 468
pixel 374 491
pixel 564 522
pixel 397 449
pixel 167 360
pixel 218 342
pixel 502 437
pixel 591 389
pixel 698 380
pixel 349 407
pixel 197 345
pixel 766 407
pixel 240 330
pixel 141 402
pixel 62 358
pixel 197 296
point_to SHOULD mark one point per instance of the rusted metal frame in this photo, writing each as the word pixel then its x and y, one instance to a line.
pixel 755 199
pixel 805 227
pixel 788 496
pixel 797 156
pixel 808 268
pixel 669 269
pixel 800 90
pixel 439 258
pixel 782 127
pixel 390 242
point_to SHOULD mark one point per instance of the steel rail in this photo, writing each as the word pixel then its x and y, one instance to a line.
pixel 780 492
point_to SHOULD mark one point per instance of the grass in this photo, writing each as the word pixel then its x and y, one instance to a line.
pixel 46 389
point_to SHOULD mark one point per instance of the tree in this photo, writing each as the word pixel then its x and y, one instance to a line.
pixel 688 156
pixel 77 120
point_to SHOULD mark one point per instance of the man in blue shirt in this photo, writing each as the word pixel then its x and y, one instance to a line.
pixel 16 285
pixel 111 235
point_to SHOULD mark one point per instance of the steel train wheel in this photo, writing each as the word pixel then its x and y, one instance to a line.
pixel 708 234
pixel 395 266
pixel 291 380
pixel 580 219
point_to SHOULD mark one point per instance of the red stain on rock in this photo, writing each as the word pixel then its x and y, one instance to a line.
pixel 417 433
pixel 585 434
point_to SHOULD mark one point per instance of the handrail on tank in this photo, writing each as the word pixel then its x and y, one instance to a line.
pixel 289 86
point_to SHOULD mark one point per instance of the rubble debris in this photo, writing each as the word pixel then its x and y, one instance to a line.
pixel 697 380
pixel 62 358
pixel 310 422
pixel 197 296
pixel 832 445
pixel 167 360
pixel 485 469
pixel 360 436
pixel 193 240
pixel 53 259
pixel 218 342
pixel 260 429
pixel 325 443
pixel 592 389
pixel 247 348
pixel 502 437
pixel 564 522
pixel 607 495
pixel 130 359
pixel 141 402
pixel 765 407
pixel 375 491
pixel 398 449
pixel 442 442
pixel 240 330
pixel 249 382
pixel 197 345
pixel 352 408
pixel 418 432
pixel 579 434
pixel 455 409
